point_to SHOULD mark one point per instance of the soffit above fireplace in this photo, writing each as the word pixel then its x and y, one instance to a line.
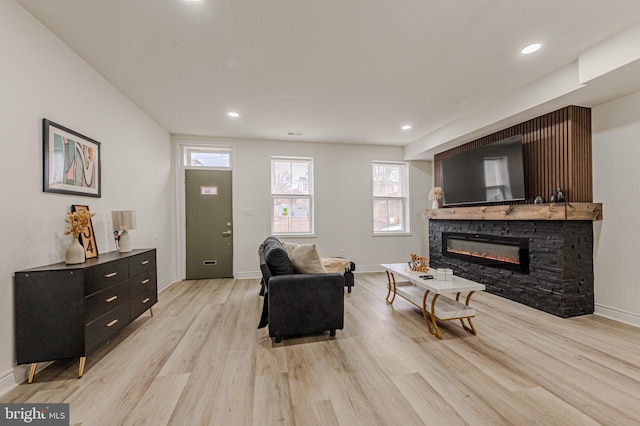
pixel 553 211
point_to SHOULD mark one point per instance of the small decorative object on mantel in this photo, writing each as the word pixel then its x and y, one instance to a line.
pixel 539 200
pixel 418 263
pixel 78 222
pixel 558 196
pixel 436 195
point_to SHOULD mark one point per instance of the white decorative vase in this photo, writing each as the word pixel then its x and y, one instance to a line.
pixel 75 253
pixel 435 204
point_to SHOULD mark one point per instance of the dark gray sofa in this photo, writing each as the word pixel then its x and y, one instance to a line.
pixel 296 304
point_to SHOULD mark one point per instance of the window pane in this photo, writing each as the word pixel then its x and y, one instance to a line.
pixel 291 215
pixel 202 157
pixel 281 177
pixel 291 177
pixel 388 180
pixel 388 215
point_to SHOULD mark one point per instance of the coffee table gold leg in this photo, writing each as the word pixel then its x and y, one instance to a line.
pixel 433 316
pixel 426 313
pixel 391 278
pixel 32 372
pixel 83 359
pixel 471 329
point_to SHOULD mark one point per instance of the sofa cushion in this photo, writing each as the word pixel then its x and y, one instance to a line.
pixel 306 259
pixel 276 257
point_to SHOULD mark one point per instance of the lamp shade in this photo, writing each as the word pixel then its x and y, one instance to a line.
pixel 123 220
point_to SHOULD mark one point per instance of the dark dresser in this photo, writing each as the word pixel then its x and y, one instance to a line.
pixel 65 311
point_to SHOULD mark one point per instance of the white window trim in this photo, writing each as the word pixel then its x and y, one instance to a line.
pixel 407 200
pixel 205 147
pixel 310 196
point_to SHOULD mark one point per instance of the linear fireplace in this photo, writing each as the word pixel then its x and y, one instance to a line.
pixel 489 250
pixel 560 278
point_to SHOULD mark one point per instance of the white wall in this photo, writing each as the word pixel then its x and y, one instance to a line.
pixel 616 151
pixel 40 77
pixel 343 201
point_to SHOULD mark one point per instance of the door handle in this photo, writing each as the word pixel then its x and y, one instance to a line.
pixel 226 233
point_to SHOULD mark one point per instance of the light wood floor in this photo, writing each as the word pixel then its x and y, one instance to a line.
pixel 201 361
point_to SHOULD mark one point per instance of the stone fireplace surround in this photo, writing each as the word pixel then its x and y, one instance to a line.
pixel 560 280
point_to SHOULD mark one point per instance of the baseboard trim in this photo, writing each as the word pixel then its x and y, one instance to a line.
pixel 17 375
pixel 617 315
pixel 8 381
pixel 248 275
pixel 166 283
pixel 368 268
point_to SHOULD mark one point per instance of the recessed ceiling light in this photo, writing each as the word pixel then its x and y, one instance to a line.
pixel 406 127
pixel 531 48
pixel 233 114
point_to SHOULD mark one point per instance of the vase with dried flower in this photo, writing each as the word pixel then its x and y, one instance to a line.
pixel 78 223
pixel 436 195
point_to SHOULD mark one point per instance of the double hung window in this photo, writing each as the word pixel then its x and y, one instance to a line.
pixel 390 197
pixel 292 196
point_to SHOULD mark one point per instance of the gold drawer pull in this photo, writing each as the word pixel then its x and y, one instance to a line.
pixel 111 299
pixel 145 300
pixel 145 281
pixel 113 274
pixel 112 323
pixel 144 262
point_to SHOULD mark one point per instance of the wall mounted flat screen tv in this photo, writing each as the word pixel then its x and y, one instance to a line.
pixel 491 173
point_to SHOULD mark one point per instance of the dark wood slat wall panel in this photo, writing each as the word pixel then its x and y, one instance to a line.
pixel 580 149
pixel 556 153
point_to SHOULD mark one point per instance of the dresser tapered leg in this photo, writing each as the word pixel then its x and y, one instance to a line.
pixel 83 359
pixel 151 310
pixel 32 372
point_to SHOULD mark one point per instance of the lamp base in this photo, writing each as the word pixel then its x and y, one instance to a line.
pixel 124 242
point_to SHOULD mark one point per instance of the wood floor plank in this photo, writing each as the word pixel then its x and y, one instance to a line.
pixel 158 402
pixel 272 401
pixel 553 410
pixel 428 404
pixel 201 361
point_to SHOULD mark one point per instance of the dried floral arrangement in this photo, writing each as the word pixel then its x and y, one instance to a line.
pixel 78 222
pixel 436 193
pixel 418 263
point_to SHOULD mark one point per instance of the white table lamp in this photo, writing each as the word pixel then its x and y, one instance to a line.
pixel 123 221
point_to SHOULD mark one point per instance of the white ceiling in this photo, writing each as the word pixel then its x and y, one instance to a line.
pixel 346 71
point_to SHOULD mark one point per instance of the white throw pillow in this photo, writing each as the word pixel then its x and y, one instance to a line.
pixel 288 247
pixel 306 259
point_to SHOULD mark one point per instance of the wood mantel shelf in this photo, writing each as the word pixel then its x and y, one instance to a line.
pixel 553 211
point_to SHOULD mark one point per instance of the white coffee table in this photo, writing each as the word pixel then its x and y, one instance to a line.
pixel 427 293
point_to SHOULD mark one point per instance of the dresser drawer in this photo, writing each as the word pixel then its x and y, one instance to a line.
pixel 106 300
pixel 105 326
pixel 102 276
pixel 142 282
pixel 143 301
pixel 142 262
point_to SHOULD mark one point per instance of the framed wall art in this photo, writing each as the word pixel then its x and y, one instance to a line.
pixel 87 238
pixel 71 161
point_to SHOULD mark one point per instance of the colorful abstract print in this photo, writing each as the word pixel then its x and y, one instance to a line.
pixel 74 163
